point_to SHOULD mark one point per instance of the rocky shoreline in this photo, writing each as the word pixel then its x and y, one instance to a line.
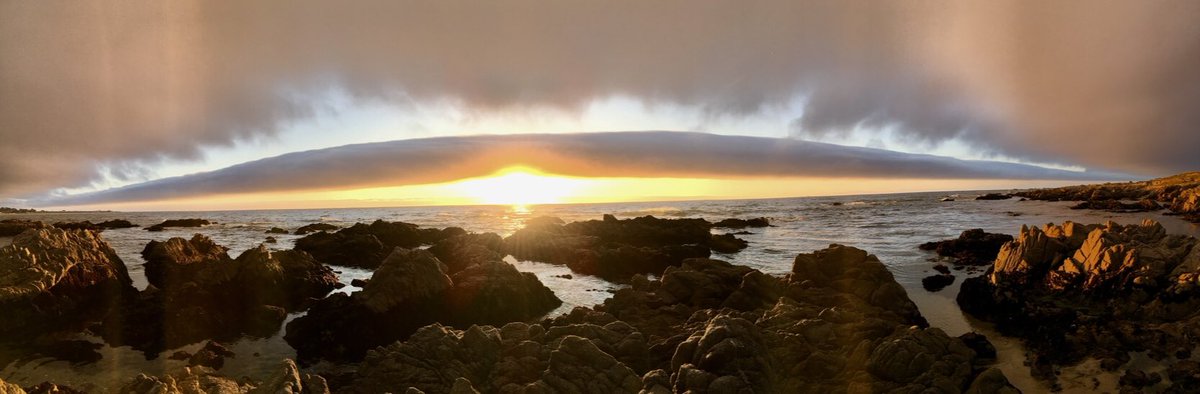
pixel 1178 193
pixel 1102 291
pixel 455 317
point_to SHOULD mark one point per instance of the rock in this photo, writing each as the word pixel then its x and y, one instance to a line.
pixel 984 351
pixel 742 223
pixel 942 269
pixel 198 292
pixel 12 227
pixel 50 388
pixel 495 292
pixel 972 247
pixel 365 246
pixel 54 280
pixel 935 283
pixel 212 355
pixel 1144 205
pixel 359 282
pixel 9 388
pixel 726 243
pixel 409 290
pixel 286 379
pixel 311 228
pixel 178 223
pixel 271 240
pixel 946 199
pixel 86 225
pixel 1075 291
pixel 616 249
pixel 278 230
pixel 1181 193
pixel 994 196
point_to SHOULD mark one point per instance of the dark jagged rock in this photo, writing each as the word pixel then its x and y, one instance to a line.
pixel 1181 193
pixel 277 230
pixel 1076 291
pixel 1145 205
pixel 616 249
pixel 314 227
pixel 366 245
pixel 935 283
pixel 839 322
pixel 54 280
pixel 178 223
pixel 50 388
pixel 972 247
pixel 12 227
pixel 994 196
pixel 198 292
pixel 212 355
pixel 87 225
pixel 287 378
pixel 742 223
pixel 409 290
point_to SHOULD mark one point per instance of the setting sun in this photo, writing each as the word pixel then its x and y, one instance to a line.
pixel 518 186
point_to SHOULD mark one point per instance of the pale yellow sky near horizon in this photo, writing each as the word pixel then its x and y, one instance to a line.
pixel 519 186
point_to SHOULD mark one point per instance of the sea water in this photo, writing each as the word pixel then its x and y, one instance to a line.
pixel 889 226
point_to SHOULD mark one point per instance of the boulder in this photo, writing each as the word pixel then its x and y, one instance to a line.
pixel 87 225
pixel 615 249
pixel 12 227
pixel 54 280
pixel 198 292
pixel 994 196
pixel 1073 291
pixel 409 290
pixel 178 223
pixel 366 245
pixel 276 230
pixel 972 247
pixel 935 283
pixel 742 223
pixel 311 228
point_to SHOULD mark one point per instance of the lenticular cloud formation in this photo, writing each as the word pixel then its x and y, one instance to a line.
pixel 1103 84
pixel 617 154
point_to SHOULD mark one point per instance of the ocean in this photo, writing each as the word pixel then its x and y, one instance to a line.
pixel 890 226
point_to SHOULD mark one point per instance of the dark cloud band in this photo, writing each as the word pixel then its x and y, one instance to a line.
pixel 617 154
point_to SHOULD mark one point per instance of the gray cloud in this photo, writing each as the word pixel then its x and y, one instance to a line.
pixel 1106 84
pixel 638 154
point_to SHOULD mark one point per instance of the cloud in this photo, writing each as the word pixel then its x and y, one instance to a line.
pixel 615 154
pixel 1107 84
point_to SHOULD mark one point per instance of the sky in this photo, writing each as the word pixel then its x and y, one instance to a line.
pixel 174 105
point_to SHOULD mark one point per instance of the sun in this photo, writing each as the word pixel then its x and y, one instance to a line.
pixel 519 187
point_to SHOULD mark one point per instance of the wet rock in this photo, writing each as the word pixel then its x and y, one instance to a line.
pixel 212 355
pixel 983 348
pixel 277 230
pixel 994 196
pixel 314 227
pixel 942 269
pixel 271 240
pixel 54 280
pixel 198 292
pixel 50 388
pixel 359 282
pixel 742 223
pixel 366 245
pixel 178 223
pixel 705 326
pixel 87 225
pixel 972 247
pixel 935 283
pixel 12 227
pixel 616 249
pixel 286 379
pixel 409 290
pixel 1144 205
